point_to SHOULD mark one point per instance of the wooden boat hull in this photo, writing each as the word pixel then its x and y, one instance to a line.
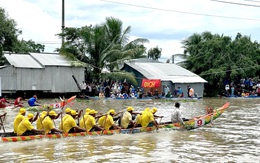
pixel 189 125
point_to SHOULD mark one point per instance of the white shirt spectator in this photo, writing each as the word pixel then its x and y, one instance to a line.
pixel 89 88
pixel 227 87
pixel 83 85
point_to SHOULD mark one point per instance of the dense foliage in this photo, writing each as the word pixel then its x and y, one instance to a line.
pixel 155 53
pixel 103 46
pixel 218 57
pixel 9 38
pixel 29 46
pixel 8 34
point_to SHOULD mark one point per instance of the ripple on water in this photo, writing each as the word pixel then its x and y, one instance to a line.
pixel 233 137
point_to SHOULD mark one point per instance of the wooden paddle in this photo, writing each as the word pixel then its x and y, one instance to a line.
pixel 84 122
pixel 63 100
pixel 104 125
pixel 79 115
pixel 160 120
pixel 2 121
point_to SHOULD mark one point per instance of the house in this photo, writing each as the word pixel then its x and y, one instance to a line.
pixel 172 75
pixel 39 73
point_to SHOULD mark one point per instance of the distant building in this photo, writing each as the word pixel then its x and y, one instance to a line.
pixel 170 74
pixel 39 72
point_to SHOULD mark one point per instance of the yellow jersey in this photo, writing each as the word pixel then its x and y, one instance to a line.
pixel 39 122
pixel 90 122
pixel 24 126
pixel 81 123
pixel 68 124
pixel 147 117
pixel 127 117
pixel 18 119
pixel 47 124
pixel 62 121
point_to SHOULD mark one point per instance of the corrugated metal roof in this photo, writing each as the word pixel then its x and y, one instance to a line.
pixel 22 61
pixel 166 72
pixel 51 59
pixel 36 60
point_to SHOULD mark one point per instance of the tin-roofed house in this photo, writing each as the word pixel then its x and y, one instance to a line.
pixel 39 72
pixel 169 74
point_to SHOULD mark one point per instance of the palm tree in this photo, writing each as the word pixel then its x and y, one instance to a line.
pixel 103 46
pixel 155 53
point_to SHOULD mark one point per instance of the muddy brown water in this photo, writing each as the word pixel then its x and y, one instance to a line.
pixel 233 137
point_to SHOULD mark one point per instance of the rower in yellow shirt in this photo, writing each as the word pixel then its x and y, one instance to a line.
pixel 18 119
pixel 90 123
pixel 26 127
pixel 154 110
pixel 107 121
pixel 146 119
pixel 127 120
pixel 48 124
pixel 67 111
pixel 84 118
pixel 70 126
pixel 40 119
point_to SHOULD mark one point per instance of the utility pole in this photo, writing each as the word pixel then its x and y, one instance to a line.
pixel 62 23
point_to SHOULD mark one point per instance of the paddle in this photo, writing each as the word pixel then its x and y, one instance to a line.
pixel 79 115
pixel 84 122
pixel 2 121
pixel 104 125
pixel 65 102
pixel 160 120
pixel 62 110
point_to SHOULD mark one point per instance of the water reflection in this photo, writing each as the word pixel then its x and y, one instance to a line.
pixel 233 137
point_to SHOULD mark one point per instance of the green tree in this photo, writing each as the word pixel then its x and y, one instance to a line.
pixel 9 38
pixel 28 46
pixel 8 34
pixel 155 53
pixel 103 46
pixel 216 57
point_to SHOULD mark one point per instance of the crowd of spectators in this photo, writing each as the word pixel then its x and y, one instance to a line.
pixel 110 90
pixel 125 90
pixel 245 87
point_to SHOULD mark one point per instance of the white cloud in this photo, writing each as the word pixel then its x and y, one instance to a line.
pixel 164 22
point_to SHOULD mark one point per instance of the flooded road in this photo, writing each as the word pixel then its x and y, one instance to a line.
pixel 233 137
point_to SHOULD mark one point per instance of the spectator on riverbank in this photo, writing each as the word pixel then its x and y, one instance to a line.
pixel 83 86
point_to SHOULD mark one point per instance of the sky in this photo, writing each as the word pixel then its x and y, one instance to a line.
pixel 165 23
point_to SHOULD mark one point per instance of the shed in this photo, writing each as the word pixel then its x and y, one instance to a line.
pixel 172 75
pixel 44 72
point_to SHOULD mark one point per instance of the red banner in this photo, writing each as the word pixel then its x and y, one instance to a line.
pixel 151 83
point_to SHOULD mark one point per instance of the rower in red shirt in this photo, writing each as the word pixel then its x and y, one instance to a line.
pixel 3 103
pixel 18 103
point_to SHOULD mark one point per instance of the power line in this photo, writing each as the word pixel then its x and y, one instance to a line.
pixel 183 12
pixel 239 68
pixel 252 1
pixel 242 4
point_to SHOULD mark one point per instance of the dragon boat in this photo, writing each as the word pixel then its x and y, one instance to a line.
pixel 193 123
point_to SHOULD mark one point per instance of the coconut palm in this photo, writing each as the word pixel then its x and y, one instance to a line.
pixel 103 46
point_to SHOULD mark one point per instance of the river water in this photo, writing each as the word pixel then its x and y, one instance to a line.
pixel 233 137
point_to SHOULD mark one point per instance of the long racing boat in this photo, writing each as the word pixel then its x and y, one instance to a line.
pixel 193 123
